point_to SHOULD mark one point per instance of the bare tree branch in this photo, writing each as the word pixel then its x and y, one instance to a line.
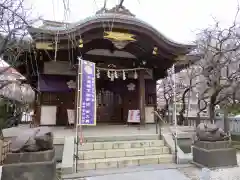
pixel 220 63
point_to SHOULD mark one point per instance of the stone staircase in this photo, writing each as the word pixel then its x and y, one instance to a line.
pixel 122 153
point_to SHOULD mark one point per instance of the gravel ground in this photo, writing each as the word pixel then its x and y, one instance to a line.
pixel 232 173
pixel 192 173
pixel 226 174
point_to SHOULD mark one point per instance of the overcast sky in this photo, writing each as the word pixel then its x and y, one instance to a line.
pixel 178 20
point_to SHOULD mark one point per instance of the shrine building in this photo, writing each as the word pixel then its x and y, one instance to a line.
pixel 130 57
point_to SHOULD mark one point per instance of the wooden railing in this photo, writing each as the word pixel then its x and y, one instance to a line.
pixel 191 121
pixel 158 123
pixel 234 123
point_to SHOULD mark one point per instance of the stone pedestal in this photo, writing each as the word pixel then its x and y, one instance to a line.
pixel 29 165
pixel 214 154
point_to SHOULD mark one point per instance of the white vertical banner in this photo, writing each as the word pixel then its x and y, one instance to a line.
pixel 173 85
pixel 174 95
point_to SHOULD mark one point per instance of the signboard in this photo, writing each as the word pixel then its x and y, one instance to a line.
pixel 87 94
pixel 133 116
pixel 71 116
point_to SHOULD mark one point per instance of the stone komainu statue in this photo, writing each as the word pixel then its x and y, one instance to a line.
pixel 210 132
pixel 33 140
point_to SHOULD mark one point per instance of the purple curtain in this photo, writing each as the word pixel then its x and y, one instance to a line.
pixel 55 83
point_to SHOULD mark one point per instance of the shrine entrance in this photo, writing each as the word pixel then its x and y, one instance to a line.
pixel 114 101
pixel 109 106
pixel 109 102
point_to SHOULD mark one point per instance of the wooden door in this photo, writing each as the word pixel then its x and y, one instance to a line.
pixel 61 114
pixel 109 107
pixel 65 101
pixel 130 102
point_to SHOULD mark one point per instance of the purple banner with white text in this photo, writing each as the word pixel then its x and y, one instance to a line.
pixel 87 94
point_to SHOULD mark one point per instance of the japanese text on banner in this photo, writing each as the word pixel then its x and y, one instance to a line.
pixel 88 94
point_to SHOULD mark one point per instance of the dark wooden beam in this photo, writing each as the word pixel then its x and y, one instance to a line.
pixel 142 97
pixel 118 61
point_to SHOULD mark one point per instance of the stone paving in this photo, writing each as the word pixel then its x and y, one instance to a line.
pixel 192 173
pixel 167 174
pixel 133 172
pixel 182 173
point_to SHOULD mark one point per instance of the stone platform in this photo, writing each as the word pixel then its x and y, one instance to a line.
pixel 214 154
pixel 29 165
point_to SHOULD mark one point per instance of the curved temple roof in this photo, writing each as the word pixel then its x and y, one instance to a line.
pixel 103 18
pixel 121 19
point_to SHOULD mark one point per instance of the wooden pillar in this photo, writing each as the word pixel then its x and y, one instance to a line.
pixel 142 97
pixel 37 109
pixel 76 101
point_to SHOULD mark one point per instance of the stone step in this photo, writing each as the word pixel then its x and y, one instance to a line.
pixel 59 139
pixel 117 153
pixel 113 138
pixel 93 164
pixel 120 145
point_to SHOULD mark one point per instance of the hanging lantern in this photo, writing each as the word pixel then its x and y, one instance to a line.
pixel 81 43
pixel 124 75
pixel 116 74
pixel 155 49
pixel 135 75
pixel 98 73
pixel 109 74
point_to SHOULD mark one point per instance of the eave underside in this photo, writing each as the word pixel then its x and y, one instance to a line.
pixel 92 36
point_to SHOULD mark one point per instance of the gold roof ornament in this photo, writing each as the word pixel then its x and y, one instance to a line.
pixel 181 58
pixel 118 36
pixel 44 45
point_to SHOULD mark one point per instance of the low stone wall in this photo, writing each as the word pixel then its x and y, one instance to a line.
pixel 68 154
pixel 29 165
pixel 30 171
pixel 183 132
pixel 214 154
pixel 26 157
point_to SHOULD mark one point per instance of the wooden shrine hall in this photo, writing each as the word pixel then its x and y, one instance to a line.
pixel 129 54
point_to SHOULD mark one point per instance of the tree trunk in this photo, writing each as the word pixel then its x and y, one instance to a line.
pixel 164 112
pixel 198 121
pixel 183 109
pixel 211 112
pixel 226 121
